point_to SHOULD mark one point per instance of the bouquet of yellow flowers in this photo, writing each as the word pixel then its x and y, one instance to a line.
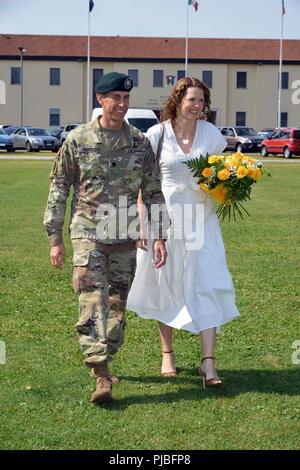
pixel 228 179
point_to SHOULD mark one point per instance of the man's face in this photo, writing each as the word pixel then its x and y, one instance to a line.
pixel 115 105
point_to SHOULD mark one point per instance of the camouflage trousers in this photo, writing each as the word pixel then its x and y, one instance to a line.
pixel 102 276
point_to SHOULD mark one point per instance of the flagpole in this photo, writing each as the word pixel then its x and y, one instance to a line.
pixel 280 73
pixel 88 68
pixel 187 39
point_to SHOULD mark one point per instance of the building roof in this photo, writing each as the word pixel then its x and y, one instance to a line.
pixel 148 49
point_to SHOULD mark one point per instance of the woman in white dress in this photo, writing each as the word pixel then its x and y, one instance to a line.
pixel 194 290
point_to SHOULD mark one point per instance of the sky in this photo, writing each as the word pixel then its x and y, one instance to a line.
pixel 215 18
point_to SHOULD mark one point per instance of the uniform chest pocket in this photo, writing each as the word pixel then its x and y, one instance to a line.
pixel 94 167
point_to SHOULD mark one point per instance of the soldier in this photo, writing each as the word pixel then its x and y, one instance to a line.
pixel 107 161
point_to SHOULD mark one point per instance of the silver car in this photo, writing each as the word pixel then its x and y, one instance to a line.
pixel 34 139
pixel 5 141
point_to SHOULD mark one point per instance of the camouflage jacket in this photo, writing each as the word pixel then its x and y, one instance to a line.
pixel 106 182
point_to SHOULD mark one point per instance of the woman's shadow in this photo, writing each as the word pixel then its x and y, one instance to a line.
pixel 236 382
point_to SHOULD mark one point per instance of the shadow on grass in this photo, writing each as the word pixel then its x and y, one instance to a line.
pixel 186 386
pixel 283 382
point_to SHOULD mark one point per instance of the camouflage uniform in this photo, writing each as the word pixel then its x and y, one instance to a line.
pixel 101 168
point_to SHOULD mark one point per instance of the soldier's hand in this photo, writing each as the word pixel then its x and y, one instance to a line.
pixel 159 253
pixel 57 256
pixel 142 243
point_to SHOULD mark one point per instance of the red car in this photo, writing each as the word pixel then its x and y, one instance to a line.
pixel 284 140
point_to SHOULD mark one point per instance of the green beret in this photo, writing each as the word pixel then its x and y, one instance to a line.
pixel 114 81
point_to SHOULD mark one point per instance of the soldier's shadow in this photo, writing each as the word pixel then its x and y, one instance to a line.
pixel 189 386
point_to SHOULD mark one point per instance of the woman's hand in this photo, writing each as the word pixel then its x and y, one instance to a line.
pixel 159 253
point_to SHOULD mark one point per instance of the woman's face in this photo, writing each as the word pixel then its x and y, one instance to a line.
pixel 192 103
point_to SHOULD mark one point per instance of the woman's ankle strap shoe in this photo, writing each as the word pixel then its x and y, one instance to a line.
pixel 207 357
pixel 212 382
pixel 172 372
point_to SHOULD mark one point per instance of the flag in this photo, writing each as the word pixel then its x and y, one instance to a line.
pixel 283 8
pixel 170 79
pixel 91 6
pixel 194 3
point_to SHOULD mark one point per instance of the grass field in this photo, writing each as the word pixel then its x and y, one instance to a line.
pixel 45 389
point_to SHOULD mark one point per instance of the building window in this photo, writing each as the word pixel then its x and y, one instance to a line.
pixel 158 78
pixel 97 74
pixel 241 79
pixel 54 117
pixel 283 119
pixel 180 74
pixel 240 118
pixel 134 75
pixel 54 76
pixel 15 76
pixel 207 78
pixel 284 80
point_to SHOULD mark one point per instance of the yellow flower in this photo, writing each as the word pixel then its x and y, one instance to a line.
pixel 219 193
pixel 238 155
pixel 227 165
pixel 241 172
pixel 204 187
pixel 255 173
pixel 215 158
pixel 232 161
pixel 249 160
pixel 207 172
pixel 223 174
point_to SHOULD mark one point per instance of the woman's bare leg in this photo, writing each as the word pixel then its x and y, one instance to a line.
pixel 208 341
pixel 166 333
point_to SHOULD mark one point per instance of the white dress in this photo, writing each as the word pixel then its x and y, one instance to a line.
pixel 194 290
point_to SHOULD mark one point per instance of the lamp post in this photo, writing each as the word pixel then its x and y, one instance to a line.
pixel 22 50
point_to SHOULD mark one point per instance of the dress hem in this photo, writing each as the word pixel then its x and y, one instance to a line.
pixel 152 316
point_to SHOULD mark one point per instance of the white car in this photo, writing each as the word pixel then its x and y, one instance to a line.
pixel 66 130
pixel 142 119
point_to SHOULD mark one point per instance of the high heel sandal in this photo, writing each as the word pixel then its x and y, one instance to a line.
pixel 213 382
pixel 171 373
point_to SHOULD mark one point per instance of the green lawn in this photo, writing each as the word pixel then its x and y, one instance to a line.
pixel 45 389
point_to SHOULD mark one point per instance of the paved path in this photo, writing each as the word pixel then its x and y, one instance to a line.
pixel 21 158
pixel 25 157
pixel 284 160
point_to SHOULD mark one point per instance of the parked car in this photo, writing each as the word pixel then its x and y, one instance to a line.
pixel 56 131
pixel 34 139
pixel 11 129
pixel 5 141
pixel 241 138
pixel 68 128
pixel 142 119
pixel 266 133
pixel 284 141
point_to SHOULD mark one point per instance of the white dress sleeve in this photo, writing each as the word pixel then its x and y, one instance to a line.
pixel 153 134
pixel 218 141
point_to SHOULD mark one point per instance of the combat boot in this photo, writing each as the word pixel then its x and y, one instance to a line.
pixel 113 378
pixel 103 392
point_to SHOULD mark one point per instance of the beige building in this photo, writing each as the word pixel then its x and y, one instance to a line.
pixel 242 75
